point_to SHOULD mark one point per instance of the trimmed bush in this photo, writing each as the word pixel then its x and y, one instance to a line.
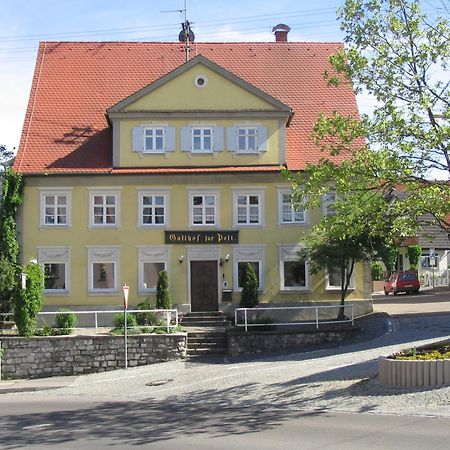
pixel 414 252
pixel 65 322
pixel 163 299
pixel 119 320
pixel 146 318
pixel 249 296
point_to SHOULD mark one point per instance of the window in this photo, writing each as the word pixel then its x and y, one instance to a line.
pixel 104 209
pixel 55 209
pixel 247 139
pixel 55 265
pixel 288 214
pixel 103 269
pixel 253 255
pixel 248 209
pixel 294 273
pixel 333 277
pixel 153 208
pixel 203 208
pixel 153 139
pixel 151 261
pixel 328 202
pixel 427 261
pixel 202 139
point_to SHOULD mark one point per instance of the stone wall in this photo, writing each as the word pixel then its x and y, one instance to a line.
pixel 73 355
pixel 242 343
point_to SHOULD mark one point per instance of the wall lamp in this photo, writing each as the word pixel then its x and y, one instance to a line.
pixel 181 259
pixel 224 260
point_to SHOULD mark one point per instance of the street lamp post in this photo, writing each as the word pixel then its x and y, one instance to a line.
pixel 126 290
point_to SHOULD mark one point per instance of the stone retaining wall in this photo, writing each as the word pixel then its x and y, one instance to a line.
pixel 242 343
pixel 73 355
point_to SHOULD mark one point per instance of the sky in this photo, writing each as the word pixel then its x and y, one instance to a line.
pixel 24 23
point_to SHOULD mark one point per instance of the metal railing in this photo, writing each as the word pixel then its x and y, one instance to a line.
pixel 169 316
pixel 267 320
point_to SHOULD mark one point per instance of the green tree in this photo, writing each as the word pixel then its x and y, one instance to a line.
pixel 389 255
pixel 6 157
pixel 163 298
pixel 28 301
pixel 7 286
pixel 399 56
pixel 249 295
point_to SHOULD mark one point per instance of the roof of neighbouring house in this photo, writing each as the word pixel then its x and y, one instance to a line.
pixel 75 83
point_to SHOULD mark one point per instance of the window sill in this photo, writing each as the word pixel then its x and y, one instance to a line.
pixel 293 224
pixel 94 227
pixel 290 290
pixel 108 293
pixel 52 227
pixel 55 292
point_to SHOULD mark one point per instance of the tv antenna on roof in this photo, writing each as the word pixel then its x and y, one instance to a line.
pixel 186 34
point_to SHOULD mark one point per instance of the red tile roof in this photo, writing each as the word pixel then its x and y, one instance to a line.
pixel 75 83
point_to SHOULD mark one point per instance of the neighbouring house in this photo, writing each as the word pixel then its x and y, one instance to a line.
pixel 434 263
pixel 139 156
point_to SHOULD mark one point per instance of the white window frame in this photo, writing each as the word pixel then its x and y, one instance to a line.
pixel 146 254
pixel 154 129
pixel 248 253
pixel 293 211
pixel 202 130
pixel 329 287
pixel 103 254
pixel 246 136
pixel 104 193
pixel 56 192
pixel 328 201
pixel 56 255
pixel 248 193
pixel 153 193
pixel 290 253
pixel 204 193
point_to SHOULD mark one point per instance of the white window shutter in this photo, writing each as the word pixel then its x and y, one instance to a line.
pixel 218 139
pixel 262 139
pixel 137 134
pixel 232 139
pixel 170 139
pixel 185 139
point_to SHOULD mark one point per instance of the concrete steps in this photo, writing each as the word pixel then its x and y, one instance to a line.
pixel 207 333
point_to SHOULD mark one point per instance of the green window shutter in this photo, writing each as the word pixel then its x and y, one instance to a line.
pixel 232 139
pixel 170 139
pixel 137 138
pixel 262 139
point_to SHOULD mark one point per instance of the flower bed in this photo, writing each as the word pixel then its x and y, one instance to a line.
pixel 425 366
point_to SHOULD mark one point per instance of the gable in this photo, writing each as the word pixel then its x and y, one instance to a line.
pixel 200 85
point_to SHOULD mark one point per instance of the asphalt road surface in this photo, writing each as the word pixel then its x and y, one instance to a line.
pixel 327 397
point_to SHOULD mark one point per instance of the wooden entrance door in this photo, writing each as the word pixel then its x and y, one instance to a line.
pixel 204 287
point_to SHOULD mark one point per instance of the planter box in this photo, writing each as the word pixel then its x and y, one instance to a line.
pixel 409 373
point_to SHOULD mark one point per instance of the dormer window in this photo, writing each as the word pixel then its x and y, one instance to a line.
pixel 247 139
pixel 154 139
pixel 202 139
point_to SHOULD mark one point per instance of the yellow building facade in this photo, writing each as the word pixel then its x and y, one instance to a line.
pixel 196 191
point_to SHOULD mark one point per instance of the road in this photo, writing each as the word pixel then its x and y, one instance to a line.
pixel 324 398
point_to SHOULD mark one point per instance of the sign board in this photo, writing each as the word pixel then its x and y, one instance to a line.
pixel 432 252
pixel 202 237
pixel 432 261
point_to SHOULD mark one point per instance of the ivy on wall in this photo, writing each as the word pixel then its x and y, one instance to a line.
pixel 12 197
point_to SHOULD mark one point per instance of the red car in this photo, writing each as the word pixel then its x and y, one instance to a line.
pixel 402 282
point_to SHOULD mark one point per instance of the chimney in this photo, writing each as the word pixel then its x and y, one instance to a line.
pixel 281 31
